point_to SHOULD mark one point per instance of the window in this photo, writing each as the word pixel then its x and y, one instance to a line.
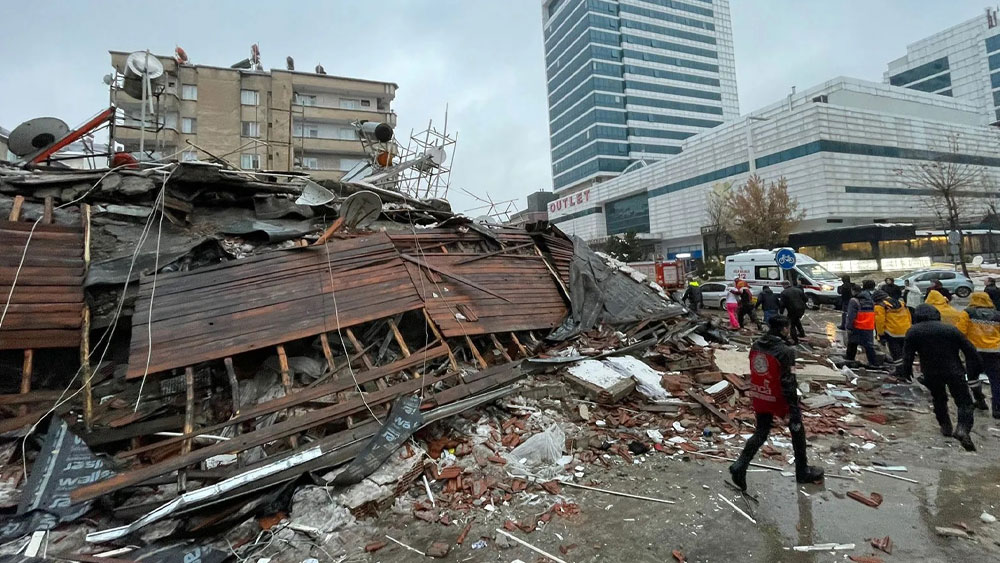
pixel 366 103
pixel 189 92
pixel 188 156
pixel 250 161
pixel 250 129
pixel 767 273
pixel 347 134
pixel 249 97
pixel 170 120
pixel 712 287
pixel 919 72
pixel 348 103
pixel 304 100
pixel 627 214
pixel 189 125
pixel 349 163
pixel 946 276
pixel 310 163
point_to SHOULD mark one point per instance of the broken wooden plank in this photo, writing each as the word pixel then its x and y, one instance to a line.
pixel 703 401
pixel 453 276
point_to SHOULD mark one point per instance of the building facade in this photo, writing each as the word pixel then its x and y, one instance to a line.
pixel 275 120
pixel 843 146
pixel 961 62
pixel 629 80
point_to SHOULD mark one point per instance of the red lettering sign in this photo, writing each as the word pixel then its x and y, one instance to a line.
pixel 572 200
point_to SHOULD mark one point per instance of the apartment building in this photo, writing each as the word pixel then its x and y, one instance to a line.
pixel 279 120
pixel 962 61
pixel 630 80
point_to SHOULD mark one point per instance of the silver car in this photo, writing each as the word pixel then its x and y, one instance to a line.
pixel 713 294
pixel 952 281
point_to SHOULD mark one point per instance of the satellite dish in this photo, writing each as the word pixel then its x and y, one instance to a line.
pixel 314 195
pixel 141 65
pixel 977 261
pixel 361 209
pixel 437 155
pixel 36 134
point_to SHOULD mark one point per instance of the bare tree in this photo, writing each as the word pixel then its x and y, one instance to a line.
pixel 764 214
pixel 949 191
pixel 719 211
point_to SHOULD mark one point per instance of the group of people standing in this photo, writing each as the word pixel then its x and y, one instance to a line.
pixel 791 301
pixel 911 325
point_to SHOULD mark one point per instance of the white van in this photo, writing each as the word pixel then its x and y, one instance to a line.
pixel 758 268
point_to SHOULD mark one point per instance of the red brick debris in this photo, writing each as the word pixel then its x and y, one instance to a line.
pixel 883 544
pixel 873 501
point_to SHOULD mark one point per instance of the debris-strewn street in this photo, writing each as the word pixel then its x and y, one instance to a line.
pixel 367 380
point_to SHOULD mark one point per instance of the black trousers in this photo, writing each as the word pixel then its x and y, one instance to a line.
pixel 763 429
pixel 746 310
pixel 795 320
pixel 991 365
pixel 866 340
pixel 895 345
pixel 940 385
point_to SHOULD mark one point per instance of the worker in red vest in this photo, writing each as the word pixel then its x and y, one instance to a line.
pixel 774 391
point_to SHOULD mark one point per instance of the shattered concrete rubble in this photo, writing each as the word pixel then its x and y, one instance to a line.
pixel 267 377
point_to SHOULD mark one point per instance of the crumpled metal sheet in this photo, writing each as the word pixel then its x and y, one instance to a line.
pixel 276 230
pixel 271 207
pixel 114 271
pixel 599 293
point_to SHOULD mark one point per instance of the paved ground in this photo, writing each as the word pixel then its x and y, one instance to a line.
pixel 954 488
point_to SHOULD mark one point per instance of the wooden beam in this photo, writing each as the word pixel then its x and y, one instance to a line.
pixel 188 424
pixel 15 209
pixel 520 347
pixel 500 347
pixel 402 343
pixel 437 335
pixel 85 371
pixel 475 352
pixel 286 382
pixel 48 210
pixel 234 385
pixel 26 371
pixel 494 253
pixel 327 351
pixel 379 383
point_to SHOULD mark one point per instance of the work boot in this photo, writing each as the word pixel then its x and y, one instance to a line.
pixel 738 472
pixel 947 431
pixel 963 438
pixel 809 475
pixel 981 404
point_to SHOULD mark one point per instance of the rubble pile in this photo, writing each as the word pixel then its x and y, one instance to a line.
pixel 273 369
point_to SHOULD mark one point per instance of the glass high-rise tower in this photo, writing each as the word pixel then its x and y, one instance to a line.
pixel 629 80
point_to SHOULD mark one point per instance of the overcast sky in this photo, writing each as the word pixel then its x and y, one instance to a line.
pixel 481 57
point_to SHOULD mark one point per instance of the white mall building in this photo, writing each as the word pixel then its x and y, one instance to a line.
pixel 841 146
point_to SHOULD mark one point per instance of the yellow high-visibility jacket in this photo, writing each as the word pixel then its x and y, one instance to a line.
pixel 892 318
pixel 980 323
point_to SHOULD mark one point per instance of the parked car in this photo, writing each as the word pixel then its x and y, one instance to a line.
pixel 952 281
pixel 713 294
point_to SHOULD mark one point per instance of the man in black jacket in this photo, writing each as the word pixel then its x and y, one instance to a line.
pixel 774 391
pixel 993 291
pixel 845 291
pixel 793 302
pixel 938 345
pixel 769 302
pixel 693 296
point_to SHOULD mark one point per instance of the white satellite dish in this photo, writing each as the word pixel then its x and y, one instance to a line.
pixel 977 261
pixel 140 65
pixel 436 155
pixel 314 194
pixel 36 134
pixel 361 209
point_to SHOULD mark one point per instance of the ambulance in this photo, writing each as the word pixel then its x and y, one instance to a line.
pixel 759 268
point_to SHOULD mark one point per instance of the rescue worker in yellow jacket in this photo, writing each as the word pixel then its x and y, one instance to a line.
pixel 892 320
pixel 980 323
pixel 949 314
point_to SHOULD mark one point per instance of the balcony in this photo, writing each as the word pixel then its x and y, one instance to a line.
pixel 323 113
pixel 314 144
pixel 129 135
